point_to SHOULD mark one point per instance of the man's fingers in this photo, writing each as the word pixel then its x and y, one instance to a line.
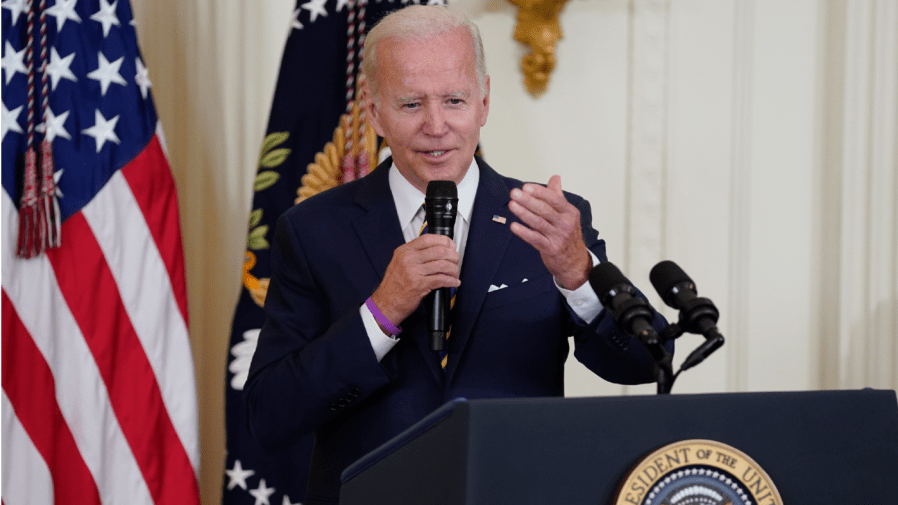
pixel 535 239
pixel 551 193
pixel 539 230
pixel 430 240
pixel 434 253
pixel 442 281
pixel 417 266
pixel 534 212
pixel 415 270
pixel 548 204
pixel 551 224
pixel 534 202
pixel 427 248
pixel 437 267
pixel 555 184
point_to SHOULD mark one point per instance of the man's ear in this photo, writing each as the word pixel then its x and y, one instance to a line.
pixel 486 102
pixel 372 108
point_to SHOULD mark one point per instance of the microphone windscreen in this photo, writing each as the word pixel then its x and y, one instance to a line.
pixel 441 189
pixel 605 276
pixel 666 275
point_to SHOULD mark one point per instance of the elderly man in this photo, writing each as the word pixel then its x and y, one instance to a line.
pixel 345 352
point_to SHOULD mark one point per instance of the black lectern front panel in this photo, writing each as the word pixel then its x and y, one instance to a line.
pixel 817 447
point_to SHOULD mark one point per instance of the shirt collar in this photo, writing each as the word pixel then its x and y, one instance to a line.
pixel 408 199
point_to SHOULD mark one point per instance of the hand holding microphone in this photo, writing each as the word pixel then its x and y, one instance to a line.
pixel 422 265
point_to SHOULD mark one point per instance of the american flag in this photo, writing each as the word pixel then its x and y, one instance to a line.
pixel 98 401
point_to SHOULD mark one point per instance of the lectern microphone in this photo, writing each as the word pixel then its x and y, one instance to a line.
pixel 697 315
pixel 617 294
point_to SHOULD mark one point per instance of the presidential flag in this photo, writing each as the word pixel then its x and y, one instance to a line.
pixel 317 138
pixel 98 400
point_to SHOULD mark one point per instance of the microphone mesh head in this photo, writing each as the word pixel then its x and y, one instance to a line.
pixel 605 276
pixel 666 275
pixel 441 189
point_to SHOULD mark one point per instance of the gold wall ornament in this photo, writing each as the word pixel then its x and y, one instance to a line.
pixel 538 27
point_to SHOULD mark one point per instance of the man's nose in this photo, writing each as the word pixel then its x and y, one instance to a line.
pixel 435 120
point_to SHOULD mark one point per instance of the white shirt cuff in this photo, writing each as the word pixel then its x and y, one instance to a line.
pixel 380 342
pixel 583 300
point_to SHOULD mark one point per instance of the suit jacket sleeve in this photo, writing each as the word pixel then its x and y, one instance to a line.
pixel 601 345
pixel 309 363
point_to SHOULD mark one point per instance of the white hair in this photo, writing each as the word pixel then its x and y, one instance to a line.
pixel 420 23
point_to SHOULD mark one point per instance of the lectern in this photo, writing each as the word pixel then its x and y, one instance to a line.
pixel 817 447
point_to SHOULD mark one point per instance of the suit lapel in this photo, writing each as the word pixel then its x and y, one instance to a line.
pixel 380 233
pixel 487 241
pixel 378 228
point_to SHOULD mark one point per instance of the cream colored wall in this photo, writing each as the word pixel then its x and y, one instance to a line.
pixel 751 141
pixel 709 133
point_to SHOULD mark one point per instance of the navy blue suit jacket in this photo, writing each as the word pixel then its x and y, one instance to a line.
pixel 315 371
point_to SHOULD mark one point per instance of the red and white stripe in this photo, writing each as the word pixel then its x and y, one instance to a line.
pixel 30 474
pixel 98 383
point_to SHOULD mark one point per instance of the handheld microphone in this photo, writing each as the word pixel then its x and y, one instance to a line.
pixel 631 313
pixel 697 315
pixel 440 209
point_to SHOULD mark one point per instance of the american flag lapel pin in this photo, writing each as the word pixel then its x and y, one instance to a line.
pixel 499 219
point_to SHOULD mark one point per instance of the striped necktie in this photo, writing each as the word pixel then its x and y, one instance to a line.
pixel 444 354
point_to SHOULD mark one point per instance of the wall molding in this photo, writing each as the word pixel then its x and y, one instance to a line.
pixel 868 277
pixel 737 309
pixel 883 170
pixel 647 133
pixel 646 164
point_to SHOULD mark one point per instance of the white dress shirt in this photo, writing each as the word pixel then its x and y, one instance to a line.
pixel 408 200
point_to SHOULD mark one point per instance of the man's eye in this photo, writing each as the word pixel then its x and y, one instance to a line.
pixel 410 106
pixel 455 101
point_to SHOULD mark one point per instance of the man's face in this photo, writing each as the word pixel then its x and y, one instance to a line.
pixel 429 106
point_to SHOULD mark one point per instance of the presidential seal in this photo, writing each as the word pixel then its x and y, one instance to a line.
pixel 697 472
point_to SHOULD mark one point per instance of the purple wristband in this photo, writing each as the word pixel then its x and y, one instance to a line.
pixel 381 318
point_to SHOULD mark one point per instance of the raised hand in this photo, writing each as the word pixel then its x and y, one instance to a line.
pixel 551 224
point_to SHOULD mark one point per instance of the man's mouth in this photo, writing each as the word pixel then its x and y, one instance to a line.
pixel 435 154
